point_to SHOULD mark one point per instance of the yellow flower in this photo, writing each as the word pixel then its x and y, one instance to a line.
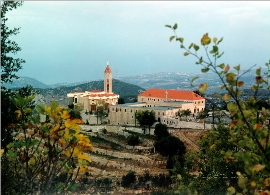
pixel 19 114
pixel 65 114
pixel 2 152
pixel 83 156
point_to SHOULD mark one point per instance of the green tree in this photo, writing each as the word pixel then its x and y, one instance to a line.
pixel 216 174
pixel 46 156
pixel 161 130
pixel 128 179
pixel 121 101
pixel 180 114
pixel 133 140
pixel 146 118
pixel 101 112
pixel 186 113
pixel 9 64
pixel 8 115
pixel 249 131
pixel 170 146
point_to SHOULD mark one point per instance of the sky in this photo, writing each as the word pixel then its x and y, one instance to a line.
pixel 71 41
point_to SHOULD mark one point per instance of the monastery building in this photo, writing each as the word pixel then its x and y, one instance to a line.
pixel 91 99
pixel 164 103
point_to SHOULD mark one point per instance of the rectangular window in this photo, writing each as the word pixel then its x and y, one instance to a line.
pixel 75 100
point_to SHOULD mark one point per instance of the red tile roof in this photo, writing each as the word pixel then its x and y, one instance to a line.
pixel 107 70
pixel 101 95
pixel 172 94
pixel 95 91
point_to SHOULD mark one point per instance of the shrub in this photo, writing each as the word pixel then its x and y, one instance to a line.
pixel 133 140
pixel 161 130
pixel 128 179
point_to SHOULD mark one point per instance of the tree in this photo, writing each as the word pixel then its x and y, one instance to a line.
pixel 133 140
pixel 202 115
pixel 180 114
pixel 146 118
pixel 9 64
pixel 215 173
pixel 121 101
pixel 8 115
pixel 186 113
pixel 248 130
pixel 48 155
pixel 128 179
pixel 101 113
pixel 169 146
pixel 161 130
pixel 75 114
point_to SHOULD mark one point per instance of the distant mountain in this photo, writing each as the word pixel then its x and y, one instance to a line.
pixel 24 81
pixel 179 80
pixel 125 90
pixel 129 87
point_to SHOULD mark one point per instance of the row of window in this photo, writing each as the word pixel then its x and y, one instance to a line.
pixel 198 102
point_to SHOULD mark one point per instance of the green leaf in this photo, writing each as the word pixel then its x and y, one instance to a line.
pixel 242 143
pixel 34 142
pixel 175 26
pixel 186 53
pixel 73 187
pixel 205 70
pixel 196 77
pixel 201 60
pixel 222 86
pixel 10 145
pixel 220 40
pixel 226 97
pixel 221 65
pixel 258 71
pixel 171 38
pixel 196 47
pixel 230 191
pixel 190 45
pixel 217 95
pixel 242 182
pixel 220 55
pixel 58 149
pixel 237 67
pixel 215 49
pixel 231 106
pixel 181 39
pixel 182 46
pixel 169 26
pixel 46 129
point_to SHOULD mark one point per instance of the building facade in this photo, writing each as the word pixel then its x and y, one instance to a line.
pixel 164 103
pixel 89 100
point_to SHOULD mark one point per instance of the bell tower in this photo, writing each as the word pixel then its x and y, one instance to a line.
pixel 108 79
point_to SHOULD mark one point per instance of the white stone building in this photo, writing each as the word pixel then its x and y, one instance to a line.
pixel 164 103
pixel 91 99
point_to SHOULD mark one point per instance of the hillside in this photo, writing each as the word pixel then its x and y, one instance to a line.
pixel 125 90
pixel 24 81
